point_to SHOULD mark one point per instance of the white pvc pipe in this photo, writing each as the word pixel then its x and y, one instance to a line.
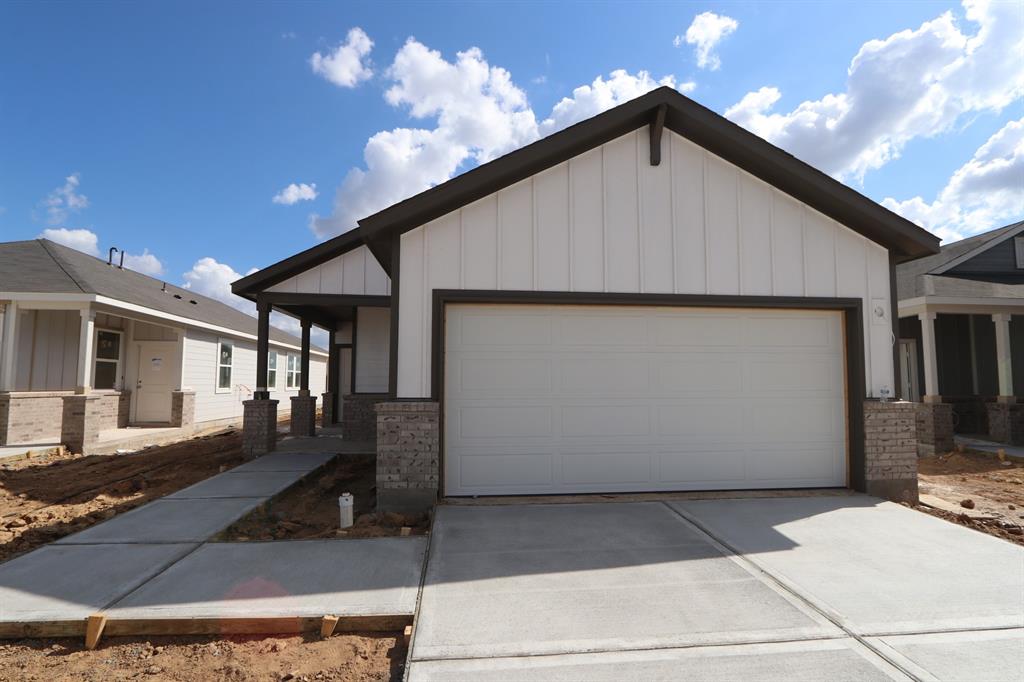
pixel 346 505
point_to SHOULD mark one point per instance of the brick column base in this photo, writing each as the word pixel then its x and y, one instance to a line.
pixel 259 427
pixel 408 438
pixel 890 450
pixel 358 419
pixel 183 408
pixel 1006 422
pixel 303 415
pixel 80 423
pixel 327 409
pixel 934 429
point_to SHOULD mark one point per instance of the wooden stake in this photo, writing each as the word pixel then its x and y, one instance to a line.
pixel 407 635
pixel 405 532
pixel 327 626
pixel 94 630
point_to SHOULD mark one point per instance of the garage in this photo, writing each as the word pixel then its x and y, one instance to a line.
pixel 549 399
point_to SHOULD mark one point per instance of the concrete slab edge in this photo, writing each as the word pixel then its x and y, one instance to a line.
pixel 419 594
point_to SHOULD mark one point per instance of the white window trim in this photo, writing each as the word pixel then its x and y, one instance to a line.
pixel 216 370
pixel 272 385
pixel 119 375
pixel 1018 247
pixel 293 375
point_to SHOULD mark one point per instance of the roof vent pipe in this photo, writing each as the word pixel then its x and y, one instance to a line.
pixel 121 264
pixel 110 255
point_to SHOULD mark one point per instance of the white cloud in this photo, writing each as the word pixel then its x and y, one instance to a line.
pixel 65 200
pixel 918 83
pixel 478 113
pixel 986 192
pixel 293 194
pixel 348 65
pixel 146 263
pixel 87 241
pixel 82 240
pixel 705 32
pixel 212 278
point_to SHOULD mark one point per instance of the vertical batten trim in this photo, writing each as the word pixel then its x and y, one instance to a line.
pixel 803 246
pixel 535 271
pixel 462 252
pixel 771 239
pixel 571 217
pixel 704 218
pixel 639 214
pixel 426 305
pixel 672 212
pixel 835 258
pixel 739 232
pixel 604 227
pixel 498 278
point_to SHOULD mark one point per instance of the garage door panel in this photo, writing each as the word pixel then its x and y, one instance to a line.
pixel 603 469
pixel 502 421
pixel 495 470
pixel 626 399
pixel 603 374
pixel 605 420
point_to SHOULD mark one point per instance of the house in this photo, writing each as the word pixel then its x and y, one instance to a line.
pixel 961 338
pixel 87 347
pixel 653 299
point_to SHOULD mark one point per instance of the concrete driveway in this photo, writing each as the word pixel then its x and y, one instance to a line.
pixel 802 588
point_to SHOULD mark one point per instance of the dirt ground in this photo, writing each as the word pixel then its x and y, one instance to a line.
pixel 982 486
pixel 310 509
pixel 351 657
pixel 47 497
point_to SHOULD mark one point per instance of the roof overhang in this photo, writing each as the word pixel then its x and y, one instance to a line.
pixel 704 127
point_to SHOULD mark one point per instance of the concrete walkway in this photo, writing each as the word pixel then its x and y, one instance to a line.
pixel 154 562
pixel 989 446
pixel 804 588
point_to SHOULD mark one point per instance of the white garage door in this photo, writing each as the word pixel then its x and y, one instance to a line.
pixel 572 399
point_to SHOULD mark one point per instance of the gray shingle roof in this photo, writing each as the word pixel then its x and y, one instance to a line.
pixel 915 278
pixel 44 266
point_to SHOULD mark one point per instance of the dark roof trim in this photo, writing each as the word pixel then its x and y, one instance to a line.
pixel 261 280
pixel 1004 233
pixel 690 120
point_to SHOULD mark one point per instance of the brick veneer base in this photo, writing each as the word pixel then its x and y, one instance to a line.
pixel 408 439
pixel 259 427
pixel 327 409
pixel 183 408
pixel 358 419
pixel 890 450
pixel 934 429
pixel 303 415
pixel 1006 422
pixel 31 417
pixel 80 422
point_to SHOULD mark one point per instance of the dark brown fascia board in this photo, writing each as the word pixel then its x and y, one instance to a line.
pixel 259 281
pixel 688 119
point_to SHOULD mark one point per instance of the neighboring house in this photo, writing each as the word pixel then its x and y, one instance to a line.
pixel 87 347
pixel 962 336
pixel 653 299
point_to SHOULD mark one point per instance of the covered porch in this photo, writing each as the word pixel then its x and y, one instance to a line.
pixel 359 357
pixel 964 360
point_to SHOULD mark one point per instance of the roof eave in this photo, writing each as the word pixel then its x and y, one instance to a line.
pixel 250 285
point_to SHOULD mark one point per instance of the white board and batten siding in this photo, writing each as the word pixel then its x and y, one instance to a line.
pixel 373 352
pixel 355 273
pixel 608 221
pixel 200 375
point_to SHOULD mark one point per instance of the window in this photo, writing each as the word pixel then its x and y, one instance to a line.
pixel 1018 245
pixel 107 369
pixel 271 370
pixel 225 358
pixel 292 378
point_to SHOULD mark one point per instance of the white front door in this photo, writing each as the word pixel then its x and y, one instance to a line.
pixel 157 377
pixel 582 399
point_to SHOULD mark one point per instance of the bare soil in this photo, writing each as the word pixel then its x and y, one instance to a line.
pixel 989 488
pixel 350 657
pixel 47 497
pixel 310 509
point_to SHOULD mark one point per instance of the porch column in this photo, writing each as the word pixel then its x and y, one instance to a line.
pixel 86 331
pixel 931 373
pixel 1003 355
pixel 304 359
pixel 262 349
pixel 327 416
pixel 8 337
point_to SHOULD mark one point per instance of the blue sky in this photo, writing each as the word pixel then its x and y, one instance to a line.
pixel 178 123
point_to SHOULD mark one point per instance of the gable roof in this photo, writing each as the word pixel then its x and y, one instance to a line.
pixel 921 276
pixel 686 118
pixel 44 266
